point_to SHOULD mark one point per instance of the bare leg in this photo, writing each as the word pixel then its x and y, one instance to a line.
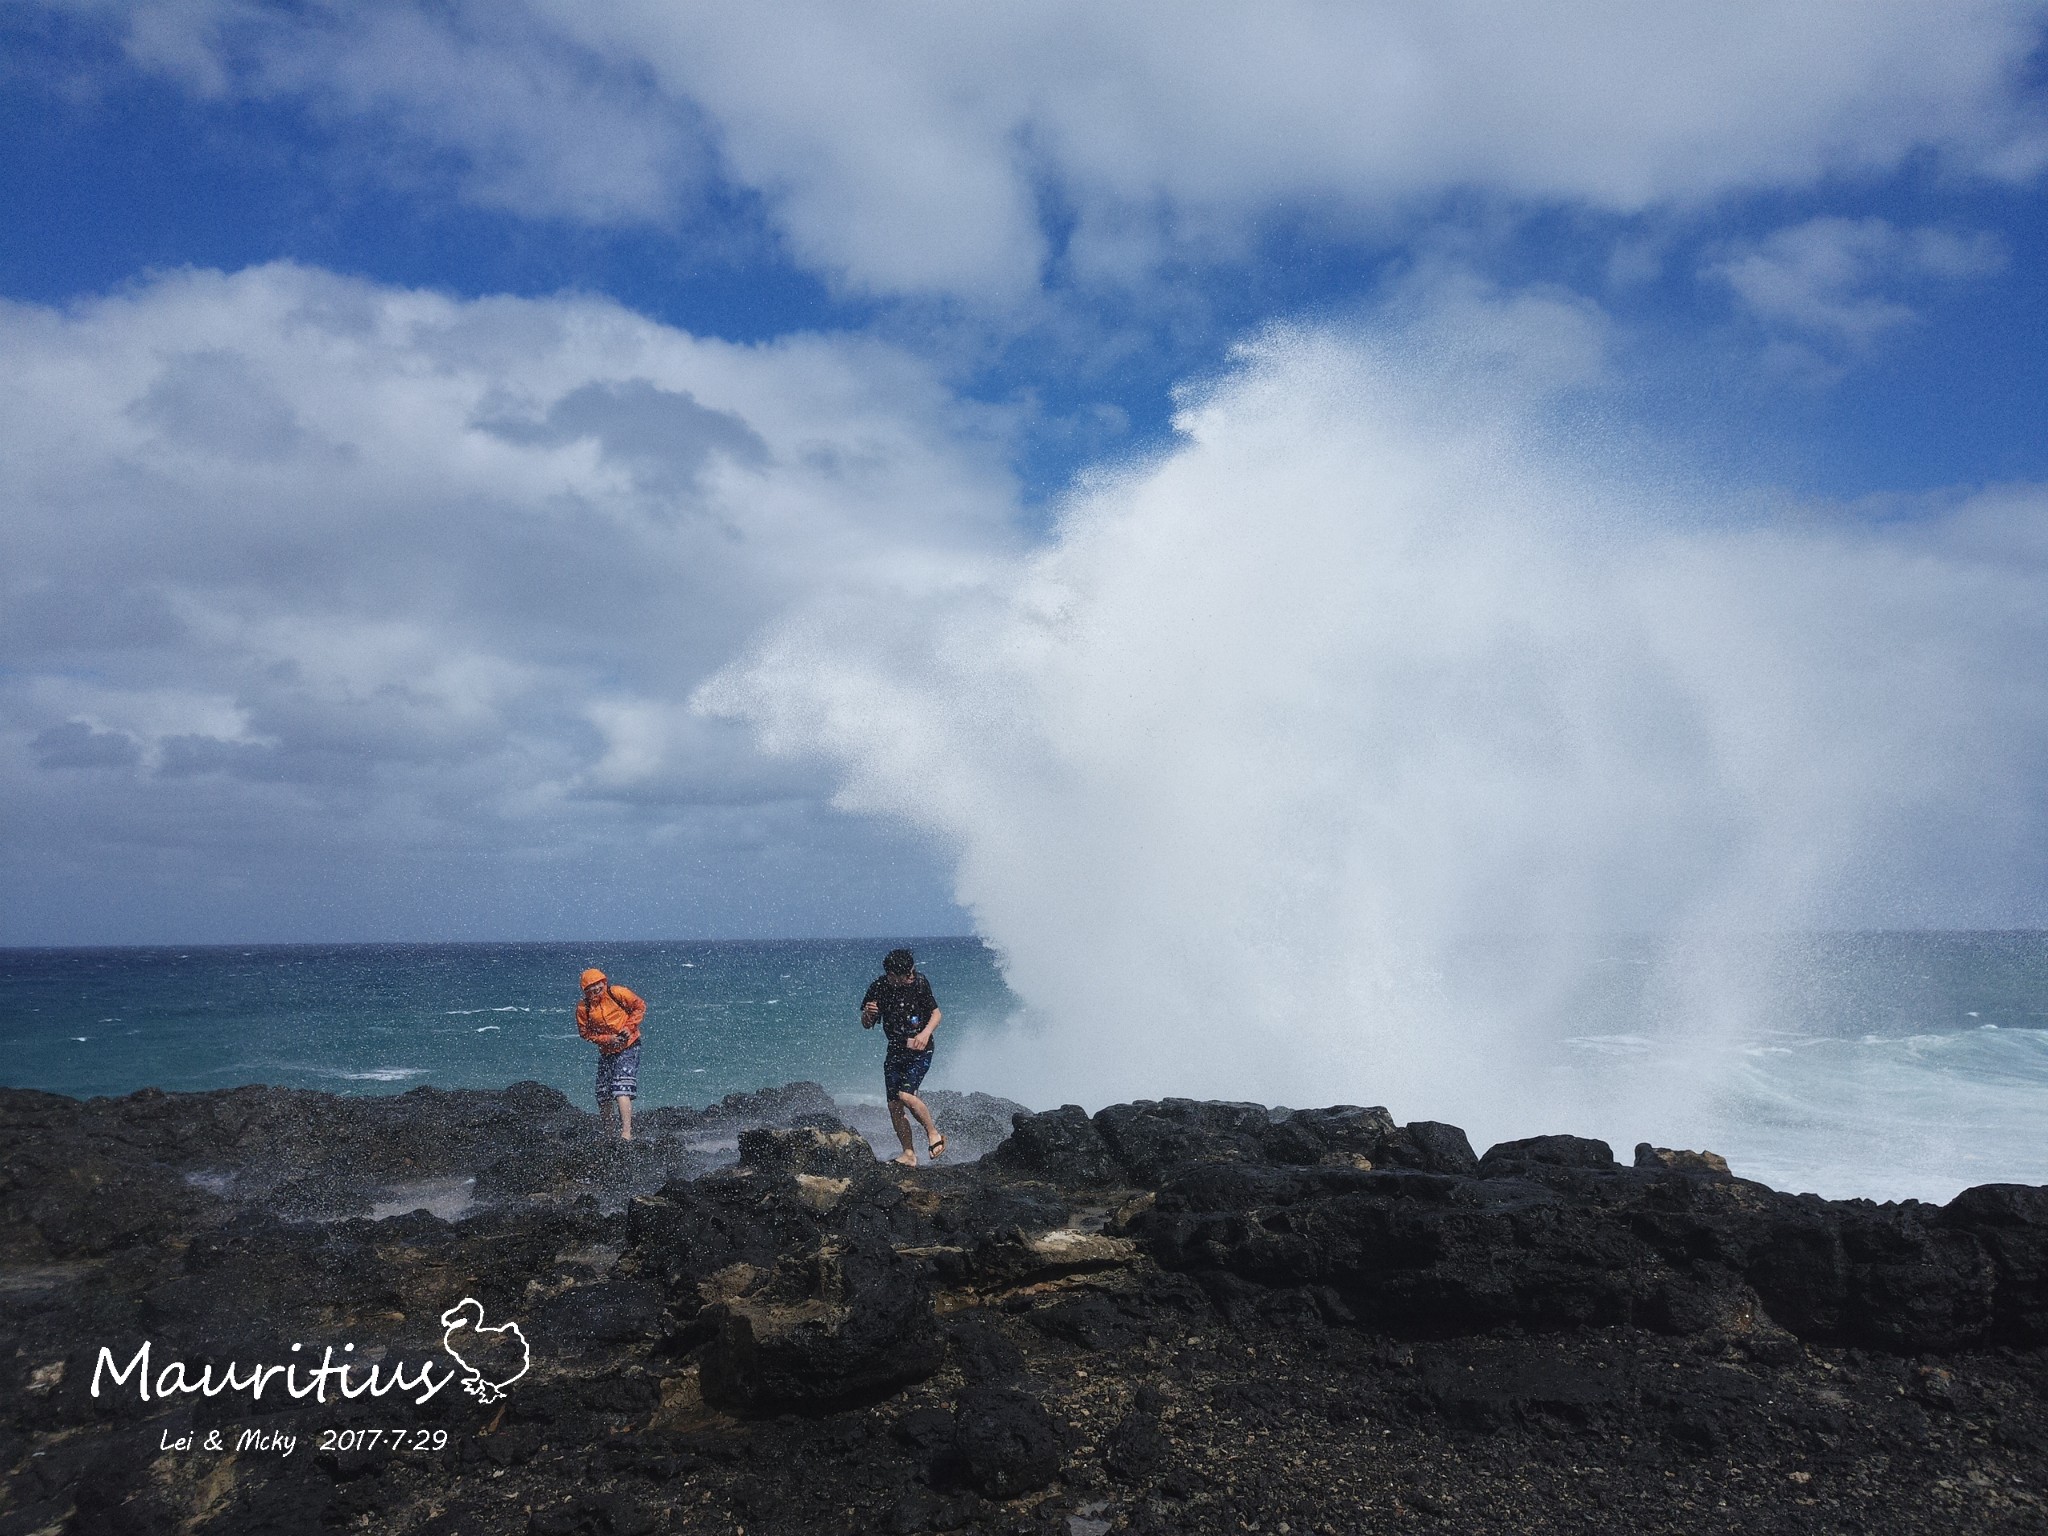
pixel 901 1121
pixel 625 1118
pixel 915 1105
pixel 604 1115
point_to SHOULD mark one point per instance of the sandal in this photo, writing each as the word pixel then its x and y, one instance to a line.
pixel 936 1147
pixel 906 1160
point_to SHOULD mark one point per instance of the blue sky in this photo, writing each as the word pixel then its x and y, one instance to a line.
pixel 819 303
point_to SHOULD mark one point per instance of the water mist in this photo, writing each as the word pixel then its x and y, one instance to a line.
pixel 1380 741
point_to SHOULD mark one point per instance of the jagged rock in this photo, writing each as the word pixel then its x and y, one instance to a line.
pixel 983 1355
pixel 1880 1275
pixel 1408 1250
pixel 64 1200
pixel 579 1162
pixel 1150 1139
pixel 1431 1146
pixel 836 1325
pixel 1344 1133
pixel 806 1149
pixel 1062 1145
pixel 690 1231
pixel 1555 1235
pixel 1667 1160
pixel 2010 1221
pixel 1135 1446
pixel 1145 1142
pixel 1173 1278
pixel 1510 1157
pixel 1007 1441
pixel 820 1192
pixel 1021 1257
pixel 1092 1321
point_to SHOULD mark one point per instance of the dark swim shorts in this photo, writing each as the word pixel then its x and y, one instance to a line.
pixel 903 1070
pixel 618 1075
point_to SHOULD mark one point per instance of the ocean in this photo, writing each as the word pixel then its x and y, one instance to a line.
pixel 381 1018
pixel 1883 1065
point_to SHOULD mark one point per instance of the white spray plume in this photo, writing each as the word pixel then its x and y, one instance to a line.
pixel 1244 766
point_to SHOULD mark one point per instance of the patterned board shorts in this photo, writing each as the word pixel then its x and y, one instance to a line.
pixel 618 1075
pixel 903 1070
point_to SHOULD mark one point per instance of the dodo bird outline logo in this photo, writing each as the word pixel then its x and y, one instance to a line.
pixel 469 1313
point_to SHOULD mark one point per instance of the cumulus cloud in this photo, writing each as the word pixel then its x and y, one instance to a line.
pixel 1382 669
pixel 298 562
pixel 536 122
pixel 1836 281
pixel 906 148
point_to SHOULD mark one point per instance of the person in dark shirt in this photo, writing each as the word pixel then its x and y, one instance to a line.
pixel 901 1001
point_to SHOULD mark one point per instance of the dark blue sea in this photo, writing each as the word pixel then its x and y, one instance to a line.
pixel 373 1018
pixel 1885 1064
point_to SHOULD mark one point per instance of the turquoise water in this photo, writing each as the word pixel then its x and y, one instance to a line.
pixel 360 1018
pixel 1849 1064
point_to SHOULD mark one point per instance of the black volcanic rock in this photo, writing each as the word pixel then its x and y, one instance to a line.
pixel 1061 1145
pixel 1166 1316
pixel 1135 1447
pixel 602 1312
pixel 689 1232
pixel 1708 1165
pixel 1512 1157
pixel 842 1323
pixel 1879 1275
pixel 1140 1144
pixel 2010 1223
pixel 982 1354
pixel 1007 1441
pixel 1345 1133
pixel 1150 1139
pixel 66 1200
pixel 1430 1146
pixel 819 1150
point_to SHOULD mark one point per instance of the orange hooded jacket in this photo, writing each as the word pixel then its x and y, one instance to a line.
pixel 618 1010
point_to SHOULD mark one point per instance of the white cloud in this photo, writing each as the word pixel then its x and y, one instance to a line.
pixel 1835 279
pixel 905 147
pixel 537 123
pixel 359 567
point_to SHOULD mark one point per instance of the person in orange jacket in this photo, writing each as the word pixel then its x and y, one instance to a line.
pixel 609 1018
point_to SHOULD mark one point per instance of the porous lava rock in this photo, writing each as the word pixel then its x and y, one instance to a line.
pixel 1710 1165
pixel 842 1323
pixel 813 1149
pixel 1061 1145
pixel 1164 1316
pixel 1007 1443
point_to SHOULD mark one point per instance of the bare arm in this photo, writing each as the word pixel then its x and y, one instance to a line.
pixel 922 1040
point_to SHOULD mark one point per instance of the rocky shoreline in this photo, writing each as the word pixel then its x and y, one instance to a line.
pixel 1168 1316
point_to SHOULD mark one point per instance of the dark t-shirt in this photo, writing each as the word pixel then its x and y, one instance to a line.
pixel 905 1007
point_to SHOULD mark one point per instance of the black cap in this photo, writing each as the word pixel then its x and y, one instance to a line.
pixel 899 962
